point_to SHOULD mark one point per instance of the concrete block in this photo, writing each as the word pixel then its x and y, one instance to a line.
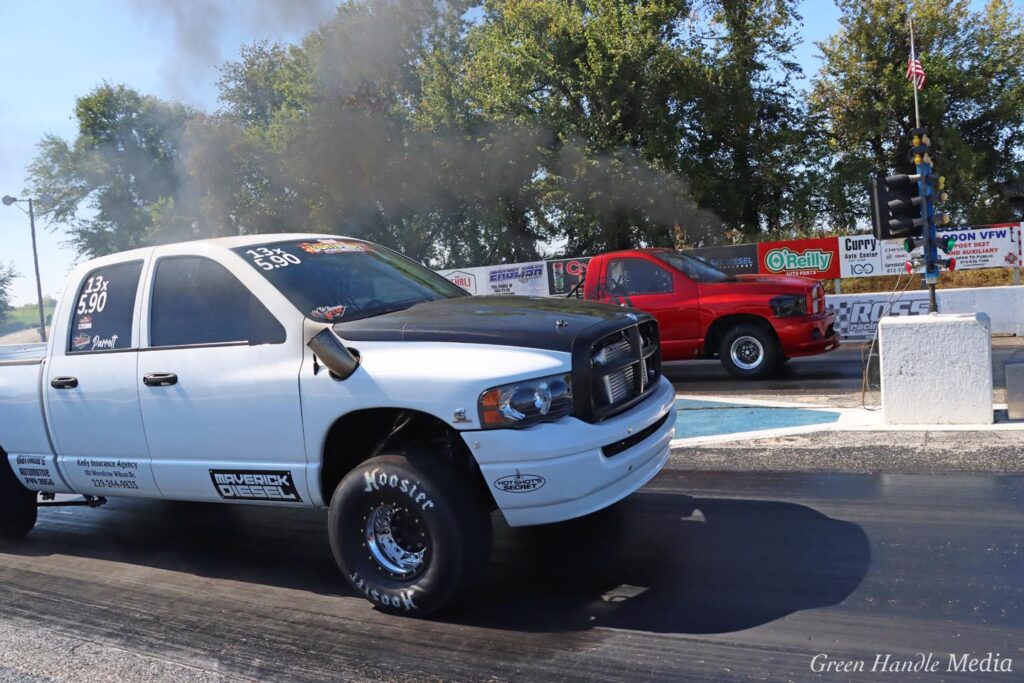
pixel 936 369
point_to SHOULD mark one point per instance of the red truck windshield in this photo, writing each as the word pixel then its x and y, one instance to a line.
pixel 337 279
pixel 693 267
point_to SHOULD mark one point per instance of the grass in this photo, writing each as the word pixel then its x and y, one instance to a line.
pixel 989 277
pixel 24 317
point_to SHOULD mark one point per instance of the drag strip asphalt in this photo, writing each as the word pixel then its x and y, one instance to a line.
pixel 700 576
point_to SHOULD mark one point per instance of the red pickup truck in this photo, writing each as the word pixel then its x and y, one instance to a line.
pixel 752 323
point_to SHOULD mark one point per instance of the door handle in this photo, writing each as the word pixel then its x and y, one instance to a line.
pixel 160 379
pixel 64 382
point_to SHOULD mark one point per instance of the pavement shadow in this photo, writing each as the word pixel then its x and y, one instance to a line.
pixel 671 563
pixel 656 562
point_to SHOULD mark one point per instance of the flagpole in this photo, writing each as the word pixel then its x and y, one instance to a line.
pixel 913 83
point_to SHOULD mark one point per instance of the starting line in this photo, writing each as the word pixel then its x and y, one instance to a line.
pixel 711 419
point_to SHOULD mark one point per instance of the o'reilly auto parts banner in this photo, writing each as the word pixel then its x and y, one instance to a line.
pixel 817 258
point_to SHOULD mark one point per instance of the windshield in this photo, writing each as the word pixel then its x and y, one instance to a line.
pixel 693 267
pixel 339 280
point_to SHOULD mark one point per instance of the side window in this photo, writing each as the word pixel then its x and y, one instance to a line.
pixel 104 309
pixel 198 301
pixel 637 276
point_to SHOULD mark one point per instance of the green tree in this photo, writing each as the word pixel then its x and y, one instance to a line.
pixel 7 277
pixel 114 185
pixel 745 135
pixel 973 103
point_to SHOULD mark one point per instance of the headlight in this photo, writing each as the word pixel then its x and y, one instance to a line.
pixel 789 305
pixel 525 403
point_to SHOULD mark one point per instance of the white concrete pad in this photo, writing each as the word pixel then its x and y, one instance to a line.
pixel 936 369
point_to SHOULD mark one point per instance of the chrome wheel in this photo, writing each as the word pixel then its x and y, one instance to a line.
pixel 397 539
pixel 746 352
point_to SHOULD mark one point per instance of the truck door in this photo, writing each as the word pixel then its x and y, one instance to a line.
pixel 92 394
pixel 666 294
pixel 219 382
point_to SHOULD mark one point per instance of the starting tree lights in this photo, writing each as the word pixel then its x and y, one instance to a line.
pixel 904 206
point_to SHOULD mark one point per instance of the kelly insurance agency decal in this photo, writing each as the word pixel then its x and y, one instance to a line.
pixel 272 485
pixel 519 483
pixel 816 258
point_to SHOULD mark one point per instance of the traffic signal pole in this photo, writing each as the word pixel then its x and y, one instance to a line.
pixel 924 169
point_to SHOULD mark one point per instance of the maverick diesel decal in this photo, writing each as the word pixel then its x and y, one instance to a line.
pixel 255 485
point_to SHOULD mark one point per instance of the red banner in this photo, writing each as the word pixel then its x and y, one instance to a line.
pixel 817 258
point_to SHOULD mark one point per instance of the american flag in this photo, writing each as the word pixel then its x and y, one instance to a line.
pixel 915 72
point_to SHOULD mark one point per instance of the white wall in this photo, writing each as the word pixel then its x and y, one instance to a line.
pixel 858 314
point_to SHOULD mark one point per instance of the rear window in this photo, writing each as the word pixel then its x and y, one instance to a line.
pixel 104 309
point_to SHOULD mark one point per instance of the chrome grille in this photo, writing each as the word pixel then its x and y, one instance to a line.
pixel 624 367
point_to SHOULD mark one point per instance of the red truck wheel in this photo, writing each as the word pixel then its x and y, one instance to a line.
pixel 749 352
pixel 17 504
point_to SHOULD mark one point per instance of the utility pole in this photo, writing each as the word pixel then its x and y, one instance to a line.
pixel 8 200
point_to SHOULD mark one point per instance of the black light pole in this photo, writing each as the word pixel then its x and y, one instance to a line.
pixel 8 200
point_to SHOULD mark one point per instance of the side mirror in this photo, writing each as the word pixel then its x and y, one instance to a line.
pixel 341 362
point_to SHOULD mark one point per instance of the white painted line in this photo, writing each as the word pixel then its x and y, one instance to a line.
pixel 849 420
pixel 753 402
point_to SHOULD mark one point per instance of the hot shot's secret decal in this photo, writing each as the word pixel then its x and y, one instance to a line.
pixel 255 485
pixel 519 483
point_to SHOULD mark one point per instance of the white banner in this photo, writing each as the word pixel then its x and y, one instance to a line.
pixel 988 246
pixel 859 256
pixel 525 279
pixel 473 280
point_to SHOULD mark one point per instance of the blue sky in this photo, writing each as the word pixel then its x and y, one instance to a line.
pixel 53 51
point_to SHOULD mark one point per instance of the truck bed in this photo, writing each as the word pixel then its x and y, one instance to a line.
pixel 22 353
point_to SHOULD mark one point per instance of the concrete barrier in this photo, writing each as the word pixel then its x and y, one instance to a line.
pixel 936 369
pixel 858 314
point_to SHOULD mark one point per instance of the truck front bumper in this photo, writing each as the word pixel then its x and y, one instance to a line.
pixel 560 470
pixel 807 335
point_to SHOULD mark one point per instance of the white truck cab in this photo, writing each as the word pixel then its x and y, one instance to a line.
pixel 323 371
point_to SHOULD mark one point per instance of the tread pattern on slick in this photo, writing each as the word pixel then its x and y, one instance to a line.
pixel 458 522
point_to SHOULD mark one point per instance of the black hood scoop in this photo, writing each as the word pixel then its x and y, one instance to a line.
pixel 529 322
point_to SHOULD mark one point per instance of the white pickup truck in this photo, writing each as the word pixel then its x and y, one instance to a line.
pixel 320 371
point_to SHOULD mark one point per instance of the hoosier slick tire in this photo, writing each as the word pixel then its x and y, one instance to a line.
pixel 17 504
pixel 408 534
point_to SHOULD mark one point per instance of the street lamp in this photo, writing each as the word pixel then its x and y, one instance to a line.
pixel 8 200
